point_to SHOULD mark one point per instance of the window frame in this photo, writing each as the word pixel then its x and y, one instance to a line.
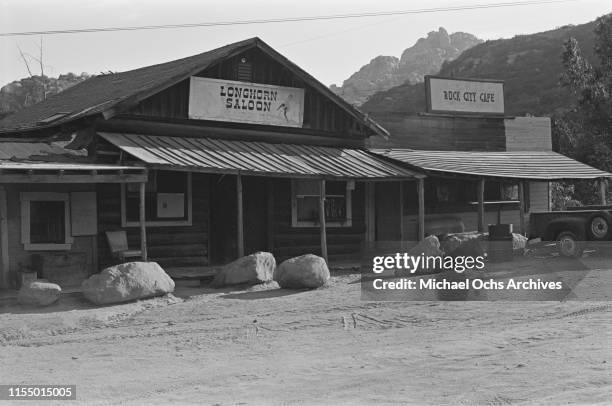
pixel 348 222
pixel 159 223
pixel 25 198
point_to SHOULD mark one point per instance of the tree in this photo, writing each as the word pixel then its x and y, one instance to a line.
pixel 585 132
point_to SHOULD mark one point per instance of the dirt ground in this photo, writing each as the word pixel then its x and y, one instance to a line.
pixel 327 346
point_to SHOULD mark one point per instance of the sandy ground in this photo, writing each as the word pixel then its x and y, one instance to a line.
pixel 327 346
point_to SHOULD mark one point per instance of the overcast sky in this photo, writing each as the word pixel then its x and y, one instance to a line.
pixel 329 50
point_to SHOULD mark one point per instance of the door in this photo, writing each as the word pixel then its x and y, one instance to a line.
pixel 223 217
pixel 255 204
pixel 388 219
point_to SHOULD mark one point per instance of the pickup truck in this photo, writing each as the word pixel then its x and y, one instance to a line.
pixel 572 228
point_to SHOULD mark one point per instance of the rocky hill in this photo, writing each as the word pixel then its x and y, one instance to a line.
pixel 28 91
pixel 423 58
pixel 529 65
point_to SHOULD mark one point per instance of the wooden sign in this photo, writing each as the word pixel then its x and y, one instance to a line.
pixel 449 95
pixel 245 102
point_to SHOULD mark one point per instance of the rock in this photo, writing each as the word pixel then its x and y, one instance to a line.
pixel 519 242
pixel 251 269
pixel 303 272
pixel 129 281
pixel 470 244
pixel 39 293
pixel 429 247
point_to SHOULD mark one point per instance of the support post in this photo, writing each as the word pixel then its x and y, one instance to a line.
pixel 481 212
pixel 240 216
pixel 143 227
pixel 603 191
pixel 401 211
pixel 322 220
pixel 521 196
pixel 421 214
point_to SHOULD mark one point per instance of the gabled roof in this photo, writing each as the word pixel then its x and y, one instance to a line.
pixel 113 93
pixel 533 165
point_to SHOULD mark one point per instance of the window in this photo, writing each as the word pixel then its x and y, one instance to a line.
pixel 500 191
pixel 167 200
pixel 45 221
pixel 305 203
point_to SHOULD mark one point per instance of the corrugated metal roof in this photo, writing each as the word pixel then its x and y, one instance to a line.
pixel 257 158
pixel 535 165
pixel 25 150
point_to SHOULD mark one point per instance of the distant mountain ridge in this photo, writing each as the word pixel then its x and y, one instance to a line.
pixel 426 56
pixel 529 65
pixel 28 91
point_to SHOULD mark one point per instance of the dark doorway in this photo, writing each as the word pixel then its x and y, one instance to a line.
pixel 255 204
pixel 223 217
pixel 387 211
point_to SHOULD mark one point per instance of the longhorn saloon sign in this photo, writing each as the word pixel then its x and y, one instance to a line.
pixel 244 102
pixel 449 95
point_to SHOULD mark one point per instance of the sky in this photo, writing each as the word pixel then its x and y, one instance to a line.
pixel 330 50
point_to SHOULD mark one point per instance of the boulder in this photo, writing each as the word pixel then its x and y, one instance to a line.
pixel 304 272
pixel 251 269
pixel 450 243
pixel 129 281
pixel 39 293
pixel 519 242
pixel 429 247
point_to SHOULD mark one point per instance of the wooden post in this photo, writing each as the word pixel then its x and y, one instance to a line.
pixel 603 191
pixel 240 216
pixel 143 227
pixel 421 214
pixel 521 196
pixel 401 211
pixel 322 220
pixel 481 212
pixel 4 236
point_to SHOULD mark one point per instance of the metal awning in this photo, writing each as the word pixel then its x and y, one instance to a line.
pixel 68 172
pixel 528 165
pixel 257 158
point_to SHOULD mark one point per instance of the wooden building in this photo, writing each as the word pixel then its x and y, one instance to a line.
pixel 221 154
pixel 204 159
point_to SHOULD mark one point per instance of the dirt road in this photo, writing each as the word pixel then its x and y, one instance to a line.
pixel 325 346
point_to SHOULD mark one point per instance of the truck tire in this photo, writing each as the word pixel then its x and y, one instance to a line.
pixel 569 245
pixel 598 228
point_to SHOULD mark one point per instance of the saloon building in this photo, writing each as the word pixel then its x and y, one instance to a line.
pixel 195 162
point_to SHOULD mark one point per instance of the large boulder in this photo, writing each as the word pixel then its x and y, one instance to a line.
pixel 129 281
pixel 252 269
pixel 429 247
pixel 470 243
pixel 39 293
pixel 304 272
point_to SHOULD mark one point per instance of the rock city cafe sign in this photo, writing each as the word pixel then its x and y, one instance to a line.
pixel 449 95
pixel 244 102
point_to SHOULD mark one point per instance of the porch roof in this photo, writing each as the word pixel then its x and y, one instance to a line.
pixel 68 172
pixel 527 165
pixel 257 158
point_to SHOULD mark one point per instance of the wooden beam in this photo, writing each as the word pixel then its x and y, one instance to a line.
pixel 481 211
pixel 143 227
pixel 603 191
pixel 521 193
pixel 4 236
pixel 421 214
pixel 240 216
pixel 322 220
pixel 86 178
pixel 401 211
